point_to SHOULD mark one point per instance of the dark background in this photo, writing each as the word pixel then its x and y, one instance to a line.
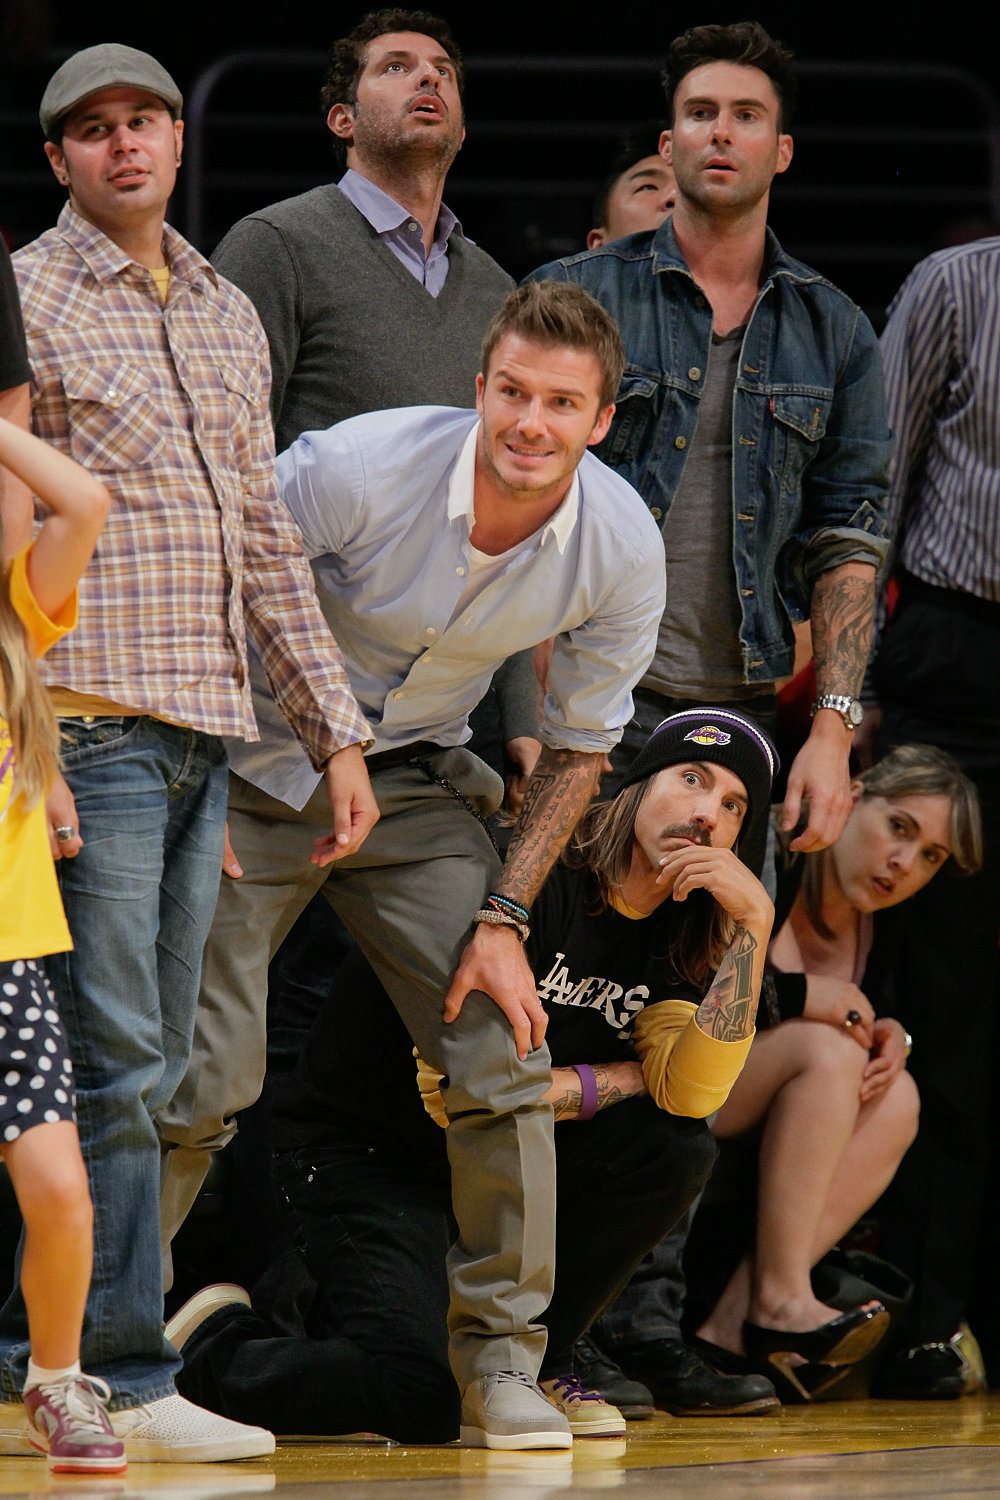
pixel 887 166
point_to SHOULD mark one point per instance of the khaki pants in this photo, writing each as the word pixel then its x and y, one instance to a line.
pixel 407 897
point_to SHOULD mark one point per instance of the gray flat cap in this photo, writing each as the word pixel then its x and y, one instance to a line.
pixel 106 66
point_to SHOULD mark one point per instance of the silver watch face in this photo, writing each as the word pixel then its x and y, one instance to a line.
pixel 856 712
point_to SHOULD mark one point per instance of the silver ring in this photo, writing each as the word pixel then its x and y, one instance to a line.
pixel 64 834
pixel 853 1018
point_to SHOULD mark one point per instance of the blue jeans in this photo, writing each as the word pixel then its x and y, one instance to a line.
pixel 151 799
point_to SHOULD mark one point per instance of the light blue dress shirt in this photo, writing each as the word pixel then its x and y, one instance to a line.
pixel 401 232
pixel 384 502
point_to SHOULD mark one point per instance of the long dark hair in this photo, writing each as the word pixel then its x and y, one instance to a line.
pixel 699 931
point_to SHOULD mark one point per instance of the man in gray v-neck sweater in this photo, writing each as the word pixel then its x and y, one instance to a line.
pixel 371 298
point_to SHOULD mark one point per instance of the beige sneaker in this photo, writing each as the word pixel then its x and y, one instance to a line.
pixel 506 1410
pixel 587 1412
pixel 175 1431
pixel 15 1431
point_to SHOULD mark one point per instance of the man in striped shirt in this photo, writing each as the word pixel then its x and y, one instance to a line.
pixel 152 370
pixel 936 674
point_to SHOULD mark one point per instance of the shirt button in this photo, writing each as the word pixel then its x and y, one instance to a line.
pixel 694 373
pixel 413 226
pixel 460 572
pixel 699 302
pixel 680 442
pixel 430 631
pixel 656 513
pixel 112 393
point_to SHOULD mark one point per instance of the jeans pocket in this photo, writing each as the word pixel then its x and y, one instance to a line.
pixel 82 739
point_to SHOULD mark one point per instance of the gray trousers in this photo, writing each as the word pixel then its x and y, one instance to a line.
pixel 407 897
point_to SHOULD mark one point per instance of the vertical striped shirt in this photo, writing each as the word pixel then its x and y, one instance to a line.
pixel 941 352
pixel 167 402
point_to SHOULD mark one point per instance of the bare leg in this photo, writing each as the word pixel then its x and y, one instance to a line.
pixel 50 1181
pixel 801 1080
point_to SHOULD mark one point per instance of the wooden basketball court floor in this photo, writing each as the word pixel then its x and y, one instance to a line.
pixel 852 1450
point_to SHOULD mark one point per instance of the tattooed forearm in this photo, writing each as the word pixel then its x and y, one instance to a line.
pixel 843 603
pixel 559 791
pixel 728 1010
pixel 568 1102
pixel 615 1082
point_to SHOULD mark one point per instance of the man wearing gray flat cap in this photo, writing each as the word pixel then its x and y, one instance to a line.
pixel 152 370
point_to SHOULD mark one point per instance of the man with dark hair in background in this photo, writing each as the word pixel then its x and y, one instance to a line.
pixel 751 420
pixel 637 191
pixel 371 297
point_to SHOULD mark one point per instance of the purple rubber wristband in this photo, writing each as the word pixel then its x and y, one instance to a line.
pixel 588 1090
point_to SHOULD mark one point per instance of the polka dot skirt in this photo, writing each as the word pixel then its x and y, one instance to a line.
pixel 36 1075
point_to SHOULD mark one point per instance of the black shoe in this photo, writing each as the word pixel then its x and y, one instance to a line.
pixel 599 1373
pixel 686 1385
pixel 809 1364
pixel 929 1372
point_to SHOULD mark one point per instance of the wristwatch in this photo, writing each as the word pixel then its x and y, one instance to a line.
pixel 849 709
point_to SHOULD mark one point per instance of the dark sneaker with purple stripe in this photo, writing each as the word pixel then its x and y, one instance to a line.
pixel 69 1421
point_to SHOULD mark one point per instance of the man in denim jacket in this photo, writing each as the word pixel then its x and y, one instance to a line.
pixel 751 419
pixel 801 466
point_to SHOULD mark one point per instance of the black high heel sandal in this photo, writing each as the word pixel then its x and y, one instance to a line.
pixel 828 1351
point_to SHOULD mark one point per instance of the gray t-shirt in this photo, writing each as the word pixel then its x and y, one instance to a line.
pixel 698 653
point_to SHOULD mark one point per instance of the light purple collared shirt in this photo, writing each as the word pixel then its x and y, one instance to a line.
pixel 401 232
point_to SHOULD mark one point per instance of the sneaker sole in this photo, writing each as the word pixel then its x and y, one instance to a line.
pixel 612 1427
pixel 508 1442
pixel 202 1306
pixel 141 1450
pixel 87 1466
pixel 18 1445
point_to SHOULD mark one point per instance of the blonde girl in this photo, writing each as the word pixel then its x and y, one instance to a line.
pixel 66 1409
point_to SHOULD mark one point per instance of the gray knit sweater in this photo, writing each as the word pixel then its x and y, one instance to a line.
pixel 350 328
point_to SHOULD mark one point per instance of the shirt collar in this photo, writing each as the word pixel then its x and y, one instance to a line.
pixel 106 260
pixel 461 495
pixel 384 214
pixel 667 255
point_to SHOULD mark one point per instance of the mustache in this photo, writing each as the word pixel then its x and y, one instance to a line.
pixel 688 831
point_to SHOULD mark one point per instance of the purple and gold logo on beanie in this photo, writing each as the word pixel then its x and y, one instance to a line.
pixel 709 734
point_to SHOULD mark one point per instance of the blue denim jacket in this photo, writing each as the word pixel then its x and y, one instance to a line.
pixel 810 441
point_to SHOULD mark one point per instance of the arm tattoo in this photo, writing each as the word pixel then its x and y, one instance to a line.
pixel 841 624
pixel 728 1010
pixel 570 1102
pixel 559 791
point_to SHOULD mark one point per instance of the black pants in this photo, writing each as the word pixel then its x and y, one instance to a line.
pixel 651 1306
pixel 938 680
pixel 374 1227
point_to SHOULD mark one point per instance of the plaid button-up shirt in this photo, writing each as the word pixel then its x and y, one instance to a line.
pixel 167 402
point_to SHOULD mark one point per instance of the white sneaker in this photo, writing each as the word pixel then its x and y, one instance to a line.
pixel 175 1431
pixel 201 1306
pixel 15 1431
pixel 587 1412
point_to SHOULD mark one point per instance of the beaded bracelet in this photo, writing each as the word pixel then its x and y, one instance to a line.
pixel 509 905
pixel 496 918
